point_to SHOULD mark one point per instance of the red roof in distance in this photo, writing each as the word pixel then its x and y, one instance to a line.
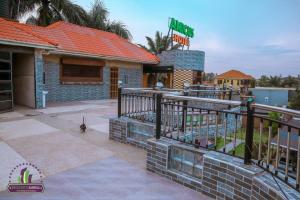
pixel 234 74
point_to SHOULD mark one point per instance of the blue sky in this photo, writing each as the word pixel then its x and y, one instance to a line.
pixel 257 36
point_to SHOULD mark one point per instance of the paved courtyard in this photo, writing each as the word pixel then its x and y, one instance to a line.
pixel 75 165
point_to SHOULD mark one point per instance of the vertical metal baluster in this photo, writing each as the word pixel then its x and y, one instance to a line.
pixel 277 149
pixel 217 127
pixel 184 120
pixel 192 120
pixel 225 131
pixel 128 104
pixel 172 116
pixel 164 119
pixel 200 123
pixel 298 163
pixel 178 114
pixel 260 138
pixel 269 144
pixel 138 107
pixel 235 132
pixel 207 128
pixel 287 161
pixel 168 116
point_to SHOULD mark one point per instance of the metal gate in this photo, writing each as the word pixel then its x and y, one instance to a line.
pixel 6 86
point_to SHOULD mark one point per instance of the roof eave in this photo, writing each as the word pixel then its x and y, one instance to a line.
pixel 81 54
pixel 25 44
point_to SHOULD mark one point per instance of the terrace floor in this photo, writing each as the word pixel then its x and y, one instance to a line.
pixel 74 165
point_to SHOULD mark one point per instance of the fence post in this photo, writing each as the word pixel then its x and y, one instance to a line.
pixel 230 95
pixel 184 112
pixel 119 101
pixel 158 115
pixel 249 133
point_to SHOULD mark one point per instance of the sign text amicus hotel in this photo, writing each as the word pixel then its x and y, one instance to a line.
pixel 183 29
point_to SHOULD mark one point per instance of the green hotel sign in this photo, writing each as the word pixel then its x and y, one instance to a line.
pixel 181 28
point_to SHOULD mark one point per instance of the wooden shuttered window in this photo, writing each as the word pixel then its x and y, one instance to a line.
pixel 81 71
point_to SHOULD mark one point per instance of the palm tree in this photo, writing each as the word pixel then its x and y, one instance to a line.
pixel 290 82
pixel 263 81
pixel 275 81
pixel 48 11
pixel 98 19
pixel 159 44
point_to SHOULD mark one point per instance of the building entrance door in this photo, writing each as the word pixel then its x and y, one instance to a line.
pixel 114 77
pixel 6 90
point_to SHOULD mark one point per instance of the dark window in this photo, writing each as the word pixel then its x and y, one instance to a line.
pixel 197 77
pixel 238 82
pixel 220 82
pixel 44 78
pixel 231 82
pixel 81 73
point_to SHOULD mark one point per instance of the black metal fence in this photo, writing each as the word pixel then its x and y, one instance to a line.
pixel 257 133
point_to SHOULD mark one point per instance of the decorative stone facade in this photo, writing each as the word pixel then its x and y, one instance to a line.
pixel 182 76
pixel 186 59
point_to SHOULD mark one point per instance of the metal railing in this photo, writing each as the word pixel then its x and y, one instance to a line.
pixel 239 128
pixel 137 101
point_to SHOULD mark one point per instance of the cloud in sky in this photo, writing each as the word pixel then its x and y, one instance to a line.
pixel 257 37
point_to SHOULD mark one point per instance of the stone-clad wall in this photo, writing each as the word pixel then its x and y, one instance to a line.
pixel 187 59
pixel 157 161
pixel 58 92
pixel 38 70
pixel 223 176
pixel 264 187
pixel 134 77
pixel 125 131
pixel 76 92
pixel 227 177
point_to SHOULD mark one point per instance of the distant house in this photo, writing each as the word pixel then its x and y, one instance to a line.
pixel 271 95
pixel 234 79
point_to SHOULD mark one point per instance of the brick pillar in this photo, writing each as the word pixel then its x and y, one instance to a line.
pixel 118 130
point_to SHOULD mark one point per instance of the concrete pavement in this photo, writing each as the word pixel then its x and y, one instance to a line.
pixel 75 165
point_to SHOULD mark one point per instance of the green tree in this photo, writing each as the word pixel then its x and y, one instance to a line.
pixel 273 116
pixel 98 19
pixel 275 81
pixel 159 44
pixel 50 11
pixel 263 81
pixel 209 77
pixel 295 101
pixel 290 82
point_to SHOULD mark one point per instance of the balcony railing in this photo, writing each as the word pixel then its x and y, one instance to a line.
pixel 238 128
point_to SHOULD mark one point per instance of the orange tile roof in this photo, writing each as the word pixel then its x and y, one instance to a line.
pixel 234 74
pixel 69 38
pixel 11 33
